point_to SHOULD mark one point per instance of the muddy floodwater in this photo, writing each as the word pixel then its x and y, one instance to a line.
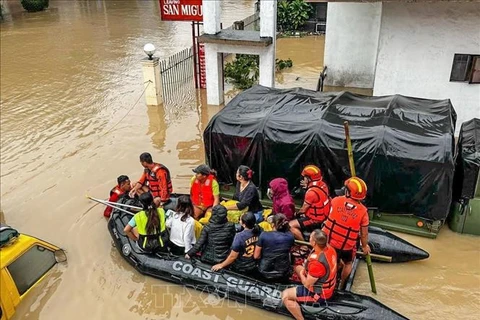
pixel 68 76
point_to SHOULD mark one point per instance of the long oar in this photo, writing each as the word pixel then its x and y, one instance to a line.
pixel 114 203
pixel 109 205
pixel 378 257
pixel 368 258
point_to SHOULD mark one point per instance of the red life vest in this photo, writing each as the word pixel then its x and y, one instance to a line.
pixel 153 182
pixel 325 286
pixel 116 190
pixel 319 210
pixel 202 193
pixel 344 222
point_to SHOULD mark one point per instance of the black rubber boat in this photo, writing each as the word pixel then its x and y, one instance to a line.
pixel 237 287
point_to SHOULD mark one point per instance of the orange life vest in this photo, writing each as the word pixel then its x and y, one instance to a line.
pixel 154 183
pixel 344 222
pixel 319 210
pixel 202 193
pixel 325 286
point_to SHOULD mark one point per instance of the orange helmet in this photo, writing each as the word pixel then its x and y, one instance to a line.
pixel 313 172
pixel 357 188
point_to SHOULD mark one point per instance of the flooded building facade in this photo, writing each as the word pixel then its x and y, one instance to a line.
pixel 428 49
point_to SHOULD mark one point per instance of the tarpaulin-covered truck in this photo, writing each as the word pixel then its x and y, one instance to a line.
pixel 465 215
pixel 403 148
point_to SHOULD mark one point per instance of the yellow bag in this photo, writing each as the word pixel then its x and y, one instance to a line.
pixel 265 226
pixel 205 218
pixel 198 229
pixel 266 213
pixel 233 215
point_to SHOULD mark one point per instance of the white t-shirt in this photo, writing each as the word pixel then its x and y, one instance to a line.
pixel 182 233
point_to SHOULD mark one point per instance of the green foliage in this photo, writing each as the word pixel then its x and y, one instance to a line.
pixel 292 14
pixel 1 12
pixel 243 72
pixel 34 5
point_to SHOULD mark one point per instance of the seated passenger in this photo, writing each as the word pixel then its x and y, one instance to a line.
pixel 316 205
pixel 215 239
pixel 123 187
pixel 150 223
pixel 318 278
pixel 281 198
pixel 243 247
pixel 273 249
pixel 182 227
pixel 246 194
pixel 204 190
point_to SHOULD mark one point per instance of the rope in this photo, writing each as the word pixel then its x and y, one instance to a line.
pixel 143 92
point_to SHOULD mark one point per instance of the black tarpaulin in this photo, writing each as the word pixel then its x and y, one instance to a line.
pixel 403 146
pixel 467 160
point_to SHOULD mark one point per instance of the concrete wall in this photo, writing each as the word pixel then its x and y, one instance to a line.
pixel 416 48
pixel 351 43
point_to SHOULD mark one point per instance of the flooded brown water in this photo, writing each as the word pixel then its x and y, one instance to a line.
pixel 68 75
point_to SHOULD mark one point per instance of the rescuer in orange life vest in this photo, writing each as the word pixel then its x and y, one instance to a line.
pixel 347 220
pixel 204 190
pixel 316 205
pixel 318 277
pixel 156 179
pixel 123 186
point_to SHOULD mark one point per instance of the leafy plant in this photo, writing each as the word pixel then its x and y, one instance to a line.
pixel 292 14
pixel 244 71
pixel 34 5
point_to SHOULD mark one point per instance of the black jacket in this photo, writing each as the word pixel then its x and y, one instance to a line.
pixel 216 238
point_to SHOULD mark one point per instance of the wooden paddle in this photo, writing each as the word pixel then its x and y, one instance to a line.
pixel 368 258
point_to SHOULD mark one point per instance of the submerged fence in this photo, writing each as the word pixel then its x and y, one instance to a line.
pixel 177 75
pixel 177 71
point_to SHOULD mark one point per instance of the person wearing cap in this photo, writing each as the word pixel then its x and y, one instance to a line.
pixel 204 190
pixel 123 186
pixel 347 221
pixel 316 205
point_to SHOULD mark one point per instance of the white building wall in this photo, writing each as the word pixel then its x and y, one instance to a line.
pixel 351 43
pixel 416 48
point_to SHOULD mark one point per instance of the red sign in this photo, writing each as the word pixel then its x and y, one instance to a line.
pixel 181 10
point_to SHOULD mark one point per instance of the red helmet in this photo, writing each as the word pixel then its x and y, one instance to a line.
pixel 313 172
pixel 357 188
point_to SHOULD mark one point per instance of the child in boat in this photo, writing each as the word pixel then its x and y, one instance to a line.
pixel 281 198
pixel 150 224
pixel 216 238
pixel 273 249
pixel 182 227
pixel 243 247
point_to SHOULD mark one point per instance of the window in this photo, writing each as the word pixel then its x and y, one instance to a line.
pixel 30 267
pixel 466 68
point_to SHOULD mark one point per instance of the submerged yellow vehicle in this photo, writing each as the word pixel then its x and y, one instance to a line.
pixel 24 263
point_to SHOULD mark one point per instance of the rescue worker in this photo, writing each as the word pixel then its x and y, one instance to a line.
pixel 347 220
pixel 150 223
pixel 243 247
pixel 155 179
pixel 318 277
pixel 316 205
pixel 204 190
pixel 123 186
pixel 282 201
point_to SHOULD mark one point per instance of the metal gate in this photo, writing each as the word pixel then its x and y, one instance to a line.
pixel 177 75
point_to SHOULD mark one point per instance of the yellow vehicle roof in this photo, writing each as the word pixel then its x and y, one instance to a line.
pixel 9 253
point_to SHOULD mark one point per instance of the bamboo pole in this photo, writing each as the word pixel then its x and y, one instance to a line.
pixel 368 257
